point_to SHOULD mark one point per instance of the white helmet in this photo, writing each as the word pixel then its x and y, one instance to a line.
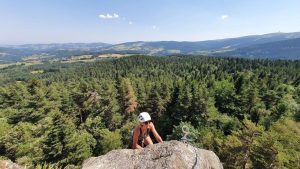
pixel 144 116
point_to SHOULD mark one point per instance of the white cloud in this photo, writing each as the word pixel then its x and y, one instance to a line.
pixel 130 23
pixel 116 15
pixel 154 27
pixel 223 17
pixel 109 16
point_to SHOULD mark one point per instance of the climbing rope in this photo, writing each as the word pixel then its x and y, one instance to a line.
pixel 184 139
pixel 186 132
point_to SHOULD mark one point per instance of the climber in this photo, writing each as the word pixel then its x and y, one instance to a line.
pixel 141 137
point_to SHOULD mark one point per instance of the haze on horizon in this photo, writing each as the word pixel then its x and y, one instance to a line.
pixel 61 21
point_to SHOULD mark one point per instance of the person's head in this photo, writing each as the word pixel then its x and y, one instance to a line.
pixel 144 118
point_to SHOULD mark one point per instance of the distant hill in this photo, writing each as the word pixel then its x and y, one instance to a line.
pixel 273 46
pixel 62 46
pixel 286 49
pixel 201 47
pixel 15 53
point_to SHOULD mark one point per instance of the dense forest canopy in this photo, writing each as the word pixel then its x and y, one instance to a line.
pixel 246 111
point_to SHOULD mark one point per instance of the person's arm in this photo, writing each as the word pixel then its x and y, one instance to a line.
pixel 156 135
pixel 135 144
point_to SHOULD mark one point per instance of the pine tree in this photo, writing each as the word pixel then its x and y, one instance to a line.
pixel 54 148
pixel 110 140
pixel 237 148
pixel 109 108
pixel 225 98
pixel 128 98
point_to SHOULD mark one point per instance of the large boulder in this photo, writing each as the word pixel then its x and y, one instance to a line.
pixel 166 155
pixel 7 164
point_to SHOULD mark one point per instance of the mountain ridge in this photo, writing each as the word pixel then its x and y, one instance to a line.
pixel 286 49
pixel 207 45
pixel 235 47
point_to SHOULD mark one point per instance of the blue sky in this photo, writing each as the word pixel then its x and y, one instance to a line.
pixel 114 21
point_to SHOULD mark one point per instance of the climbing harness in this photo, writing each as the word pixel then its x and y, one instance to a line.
pixel 143 136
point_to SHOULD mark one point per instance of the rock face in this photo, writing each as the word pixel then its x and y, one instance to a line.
pixel 7 164
pixel 166 155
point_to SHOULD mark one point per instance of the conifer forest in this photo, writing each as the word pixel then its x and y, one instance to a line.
pixel 245 110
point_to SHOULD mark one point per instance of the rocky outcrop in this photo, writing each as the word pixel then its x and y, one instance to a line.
pixel 166 155
pixel 7 164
